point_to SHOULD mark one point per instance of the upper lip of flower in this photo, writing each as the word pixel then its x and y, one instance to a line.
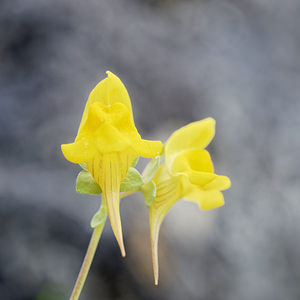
pixel 194 136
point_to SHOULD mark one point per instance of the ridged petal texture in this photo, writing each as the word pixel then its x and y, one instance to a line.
pixel 167 193
pixel 109 170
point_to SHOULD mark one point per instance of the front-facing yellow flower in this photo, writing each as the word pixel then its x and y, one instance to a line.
pixel 108 142
pixel 187 173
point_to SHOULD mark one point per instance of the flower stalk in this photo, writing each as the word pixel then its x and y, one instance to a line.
pixel 87 262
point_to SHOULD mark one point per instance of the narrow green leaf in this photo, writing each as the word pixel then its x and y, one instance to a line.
pixel 99 217
pixel 150 169
pixel 135 161
pixel 149 192
pixel 132 181
pixel 86 184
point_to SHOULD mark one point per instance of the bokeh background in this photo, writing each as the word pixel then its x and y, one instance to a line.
pixel 236 61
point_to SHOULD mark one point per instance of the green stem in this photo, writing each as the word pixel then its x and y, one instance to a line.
pixel 87 262
pixel 91 252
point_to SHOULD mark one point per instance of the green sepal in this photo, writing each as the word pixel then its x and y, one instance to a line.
pixel 135 161
pixel 84 166
pixel 150 169
pixel 132 181
pixel 100 217
pixel 149 192
pixel 86 184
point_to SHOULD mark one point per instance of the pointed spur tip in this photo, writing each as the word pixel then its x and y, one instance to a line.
pixel 119 239
pixel 156 277
pixel 123 252
pixel 115 221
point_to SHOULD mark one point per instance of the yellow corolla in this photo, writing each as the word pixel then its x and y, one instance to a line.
pixel 187 173
pixel 108 142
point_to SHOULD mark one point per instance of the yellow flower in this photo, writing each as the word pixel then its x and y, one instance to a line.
pixel 187 173
pixel 108 142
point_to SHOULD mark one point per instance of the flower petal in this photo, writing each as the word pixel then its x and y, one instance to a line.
pixel 146 148
pixel 206 199
pixel 112 130
pixel 108 91
pixel 192 160
pixel 111 140
pixel 211 199
pixel 196 135
pixel 219 183
pixel 99 127
pixel 79 151
pixel 201 178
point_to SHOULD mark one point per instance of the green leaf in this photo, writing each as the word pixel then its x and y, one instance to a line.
pixel 84 166
pixel 135 161
pixel 149 192
pixel 100 217
pixel 86 184
pixel 150 169
pixel 132 181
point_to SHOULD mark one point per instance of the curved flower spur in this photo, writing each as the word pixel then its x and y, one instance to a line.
pixel 107 147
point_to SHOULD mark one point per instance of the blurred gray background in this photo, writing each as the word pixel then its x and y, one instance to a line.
pixel 236 61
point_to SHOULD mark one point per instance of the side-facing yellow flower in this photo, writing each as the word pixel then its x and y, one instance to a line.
pixel 187 173
pixel 108 142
